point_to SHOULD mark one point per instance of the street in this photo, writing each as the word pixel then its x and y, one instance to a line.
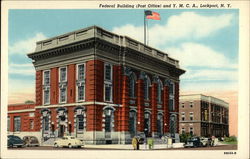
pixel 219 147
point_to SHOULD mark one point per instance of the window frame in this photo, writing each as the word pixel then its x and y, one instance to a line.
pixel 20 122
pixel 81 82
pixel 108 82
pixel 63 83
pixel 46 87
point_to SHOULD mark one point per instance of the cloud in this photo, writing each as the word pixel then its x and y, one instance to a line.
pixel 22 69
pixel 194 54
pixel 187 25
pixel 27 45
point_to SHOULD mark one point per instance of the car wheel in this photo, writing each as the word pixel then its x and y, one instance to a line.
pixel 70 146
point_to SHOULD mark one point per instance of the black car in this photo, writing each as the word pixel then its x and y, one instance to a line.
pixel 15 141
pixel 194 142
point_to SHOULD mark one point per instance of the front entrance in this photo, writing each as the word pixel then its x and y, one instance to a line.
pixel 146 124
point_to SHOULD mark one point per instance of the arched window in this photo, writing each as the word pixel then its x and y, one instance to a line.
pixel 159 91
pixel 131 85
pixel 132 123
pixel 146 87
pixel 80 122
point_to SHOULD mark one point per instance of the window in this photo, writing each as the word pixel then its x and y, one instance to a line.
pixel 108 72
pixel 191 104
pixel 81 73
pixel 17 123
pixel 63 74
pixel 183 130
pixel 46 91
pixel 108 92
pixel 191 131
pixel 146 88
pixel 108 88
pixel 183 116
pixel 63 89
pixel 80 82
pixel 182 105
pixel 46 76
pixel 46 123
pixel 131 86
pixel 62 95
pixel 191 114
pixel 159 91
pixel 31 124
pixel 171 88
pixel 171 104
pixel 80 123
pixel 8 124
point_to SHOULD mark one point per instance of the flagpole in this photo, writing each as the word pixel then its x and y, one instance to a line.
pixel 144 28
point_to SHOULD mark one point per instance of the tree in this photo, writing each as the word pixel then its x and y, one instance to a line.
pixel 29 102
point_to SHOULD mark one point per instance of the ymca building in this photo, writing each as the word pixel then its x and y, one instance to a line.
pixel 100 87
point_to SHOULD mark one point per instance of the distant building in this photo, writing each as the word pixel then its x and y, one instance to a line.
pixel 203 115
pixel 100 87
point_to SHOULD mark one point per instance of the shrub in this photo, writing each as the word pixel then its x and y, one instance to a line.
pixel 185 136
pixel 230 139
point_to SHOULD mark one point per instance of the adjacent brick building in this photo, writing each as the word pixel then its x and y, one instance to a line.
pixel 101 87
pixel 203 115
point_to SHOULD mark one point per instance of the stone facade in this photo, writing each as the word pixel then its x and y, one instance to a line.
pixel 103 88
pixel 203 116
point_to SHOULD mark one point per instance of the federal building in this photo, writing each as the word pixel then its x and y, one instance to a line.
pixel 100 87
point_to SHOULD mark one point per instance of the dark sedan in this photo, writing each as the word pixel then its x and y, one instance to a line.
pixel 194 142
pixel 15 141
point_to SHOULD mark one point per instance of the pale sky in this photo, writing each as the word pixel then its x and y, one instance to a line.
pixel 204 41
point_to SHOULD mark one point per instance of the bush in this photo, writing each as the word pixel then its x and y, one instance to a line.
pixel 230 139
pixel 185 136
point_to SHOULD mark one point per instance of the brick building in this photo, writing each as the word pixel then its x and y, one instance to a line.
pixel 203 115
pixel 101 87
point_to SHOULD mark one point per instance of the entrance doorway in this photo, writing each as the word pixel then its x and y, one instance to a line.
pixel 147 124
pixel 61 130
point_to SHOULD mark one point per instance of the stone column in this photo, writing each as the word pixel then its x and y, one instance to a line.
pixel 176 97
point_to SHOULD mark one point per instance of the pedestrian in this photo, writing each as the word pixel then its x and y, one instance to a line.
pixel 138 143
pixel 150 143
pixel 134 143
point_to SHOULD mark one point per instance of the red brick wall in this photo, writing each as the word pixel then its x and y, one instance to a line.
pixel 39 93
pixel 71 89
pixel 125 105
pixel 25 121
pixel 54 90
pixel 94 117
pixel 140 105
pixel 99 76
pixel 165 108
pixel 90 81
pixel 154 107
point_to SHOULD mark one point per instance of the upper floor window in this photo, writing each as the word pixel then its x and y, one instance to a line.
pixel 191 104
pixel 171 104
pixel 108 87
pixel 159 91
pixel 182 105
pixel 131 86
pixel 46 96
pixel 63 93
pixel 17 123
pixel 81 72
pixel 31 124
pixel 46 77
pixel 191 114
pixel 183 130
pixel 63 74
pixel 80 82
pixel 108 72
pixel 171 88
pixel 183 116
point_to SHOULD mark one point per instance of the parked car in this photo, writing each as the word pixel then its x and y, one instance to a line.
pixel 193 142
pixel 15 141
pixel 68 141
pixel 205 141
pixel 30 141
